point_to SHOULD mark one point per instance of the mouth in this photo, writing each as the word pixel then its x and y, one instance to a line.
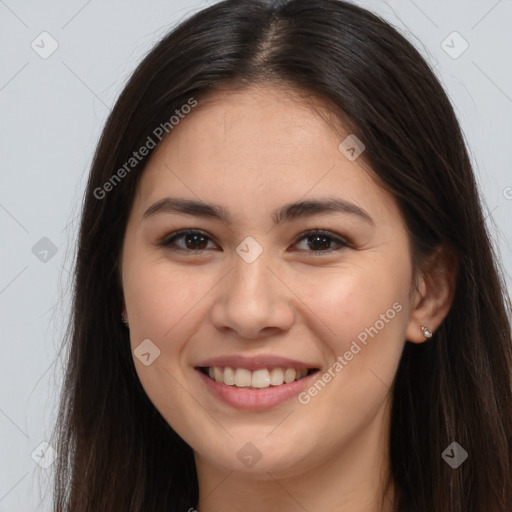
pixel 259 379
pixel 254 382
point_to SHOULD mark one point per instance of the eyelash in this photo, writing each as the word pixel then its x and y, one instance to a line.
pixel 170 239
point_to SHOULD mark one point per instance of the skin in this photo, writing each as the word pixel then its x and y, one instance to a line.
pixel 253 151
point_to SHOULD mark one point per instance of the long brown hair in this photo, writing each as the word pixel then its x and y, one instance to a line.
pixel 116 452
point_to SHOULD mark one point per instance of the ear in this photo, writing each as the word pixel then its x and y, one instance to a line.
pixel 123 310
pixel 120 284
pixel 433 295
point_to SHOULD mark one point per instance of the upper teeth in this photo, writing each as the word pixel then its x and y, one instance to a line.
pixel 262 378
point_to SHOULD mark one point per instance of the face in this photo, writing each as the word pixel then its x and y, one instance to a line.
pixel 272 330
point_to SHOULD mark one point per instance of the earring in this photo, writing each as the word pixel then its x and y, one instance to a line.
pixel 123 319
pixel 426 331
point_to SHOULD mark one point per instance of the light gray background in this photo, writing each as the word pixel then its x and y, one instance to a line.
pixel 52 111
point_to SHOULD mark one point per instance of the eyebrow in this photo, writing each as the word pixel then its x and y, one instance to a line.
pixel 287 212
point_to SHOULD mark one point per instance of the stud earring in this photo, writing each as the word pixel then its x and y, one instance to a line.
pixel 426 331
pixel 123 319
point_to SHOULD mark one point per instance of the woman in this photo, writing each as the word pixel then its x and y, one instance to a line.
pixel 285 295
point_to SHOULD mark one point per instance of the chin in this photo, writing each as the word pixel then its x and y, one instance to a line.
pixel 260 454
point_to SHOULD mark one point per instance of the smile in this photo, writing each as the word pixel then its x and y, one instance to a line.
pixel 255 389
pixel 258 379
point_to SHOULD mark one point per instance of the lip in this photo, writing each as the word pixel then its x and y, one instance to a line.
pixel 255 362
pixel 251 399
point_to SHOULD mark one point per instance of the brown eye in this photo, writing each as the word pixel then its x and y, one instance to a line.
pixel 190 240
pixel 321 241
pixel 195 241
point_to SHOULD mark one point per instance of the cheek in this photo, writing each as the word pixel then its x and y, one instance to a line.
pixel 364 353
pixel 162 299
pixel 365 307
pixel 355 297
pixel 164 305
pixel 371 303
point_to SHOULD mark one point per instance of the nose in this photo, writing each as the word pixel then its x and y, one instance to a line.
pixel 252 301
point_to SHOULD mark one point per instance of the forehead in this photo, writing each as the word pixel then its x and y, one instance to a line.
pixel 256 125
pixel 258 146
